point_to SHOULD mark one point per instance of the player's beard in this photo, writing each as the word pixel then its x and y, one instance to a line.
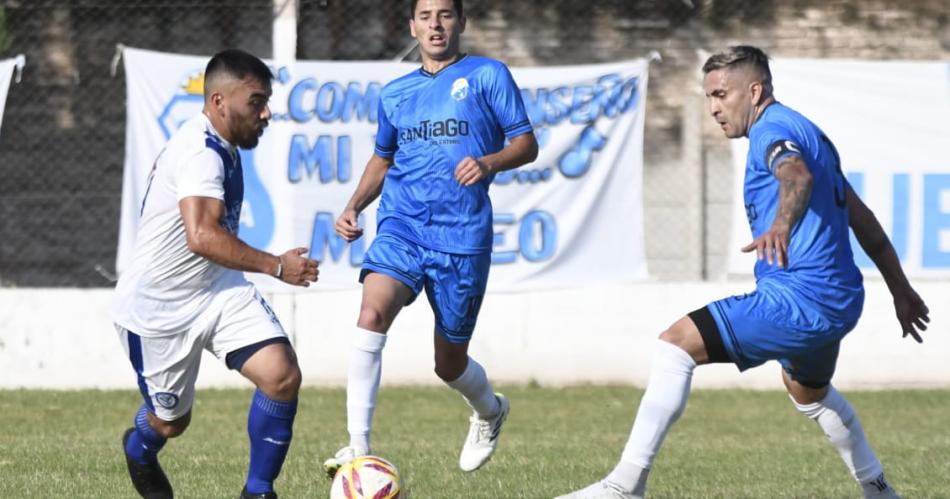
pixel 249 142
pixel 249 136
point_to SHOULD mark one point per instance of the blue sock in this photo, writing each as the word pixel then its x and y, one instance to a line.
pixel 144 443
pixel 270 426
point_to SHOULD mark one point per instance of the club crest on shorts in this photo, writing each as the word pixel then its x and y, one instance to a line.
pixel 460 89
pixel 166 400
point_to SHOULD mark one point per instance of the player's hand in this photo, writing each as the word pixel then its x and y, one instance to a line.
pixel 912 313
pixel 347 225
pixel 471 170
pixel 298 269
pixel 772 245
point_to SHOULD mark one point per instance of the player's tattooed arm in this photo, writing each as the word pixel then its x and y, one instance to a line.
pixel 912 312
pixel 795 183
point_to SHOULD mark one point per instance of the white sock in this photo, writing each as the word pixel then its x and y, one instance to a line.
pixel 661 405
pixel 362 384
pixel 477 391
pixel 837 419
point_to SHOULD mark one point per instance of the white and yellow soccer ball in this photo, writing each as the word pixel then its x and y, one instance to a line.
pixel 366 477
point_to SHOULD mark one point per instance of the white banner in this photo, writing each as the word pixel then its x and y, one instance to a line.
pixel 7 67
pixel 890 122
pixel 573 217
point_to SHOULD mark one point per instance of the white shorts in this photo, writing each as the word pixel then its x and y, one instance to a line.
pixel 167 366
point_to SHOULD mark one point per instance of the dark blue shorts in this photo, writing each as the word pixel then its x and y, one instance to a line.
pixel 455 284
pixel 764 325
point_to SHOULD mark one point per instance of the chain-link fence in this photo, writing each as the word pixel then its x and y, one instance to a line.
pixel 62 142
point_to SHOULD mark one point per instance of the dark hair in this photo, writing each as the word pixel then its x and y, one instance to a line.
pixel 237 64
pixel 455 3
pixel 742 55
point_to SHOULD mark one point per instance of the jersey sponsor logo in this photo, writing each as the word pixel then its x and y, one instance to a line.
pixel 427 130
pixel 460 89
pixel 166 400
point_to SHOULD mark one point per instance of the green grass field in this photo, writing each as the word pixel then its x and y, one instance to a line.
pixel 729 444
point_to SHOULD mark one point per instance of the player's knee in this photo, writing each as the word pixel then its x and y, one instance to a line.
pixel 802 394
pixel 684 334
pixel 171 429
pixel 284 386
pixel 674 335
pixel 449 366
pixel 372 319
pixel 290 384
pixel 448 373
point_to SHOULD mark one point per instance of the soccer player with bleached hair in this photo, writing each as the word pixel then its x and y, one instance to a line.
pixel 440 141
pixel 185 291
pixel 809 292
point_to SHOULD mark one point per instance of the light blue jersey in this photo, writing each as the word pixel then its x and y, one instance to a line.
pixel 427 124
pixel 821 266
pixel 799 314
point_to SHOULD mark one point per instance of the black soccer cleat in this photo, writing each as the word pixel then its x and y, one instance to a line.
pixel 263 495
pixel 149 479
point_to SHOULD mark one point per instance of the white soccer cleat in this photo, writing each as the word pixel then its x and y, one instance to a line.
pixel 482 437
pixel 600 490
pixel 341 457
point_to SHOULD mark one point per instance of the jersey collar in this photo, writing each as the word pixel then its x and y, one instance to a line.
pixel 211 132
pixel 437 73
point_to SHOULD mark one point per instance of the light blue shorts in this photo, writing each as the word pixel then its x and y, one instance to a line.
pixel 774 325
pixel 454 284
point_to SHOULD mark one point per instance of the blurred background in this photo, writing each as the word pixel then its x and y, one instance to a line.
pixel 62 141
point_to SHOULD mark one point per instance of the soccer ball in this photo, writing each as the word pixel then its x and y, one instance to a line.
pixel 369 477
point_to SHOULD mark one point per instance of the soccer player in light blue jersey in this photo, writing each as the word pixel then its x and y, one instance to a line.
pixel 809 293
pixel 441 138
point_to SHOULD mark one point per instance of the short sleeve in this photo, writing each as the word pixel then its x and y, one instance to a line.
pixel 201 175
pixel 773 144
pixel 385 133
pixel 507 104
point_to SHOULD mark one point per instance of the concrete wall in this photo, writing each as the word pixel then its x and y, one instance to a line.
pixel 63 338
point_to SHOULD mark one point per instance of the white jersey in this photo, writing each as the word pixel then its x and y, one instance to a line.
pixel 167 286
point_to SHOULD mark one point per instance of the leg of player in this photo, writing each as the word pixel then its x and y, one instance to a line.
pixel 166 411
pixel 837 419
pixel 490 410
pixel 678 351
pixel 383 298
pixel 142 443
pixel 270 421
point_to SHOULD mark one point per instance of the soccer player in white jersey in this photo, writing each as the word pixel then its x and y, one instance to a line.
pixel 441 138
pixel 809 292
pixel 185 290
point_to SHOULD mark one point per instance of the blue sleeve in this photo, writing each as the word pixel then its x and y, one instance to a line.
pixel 506 103
pixel 386 144
pixel 773 144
